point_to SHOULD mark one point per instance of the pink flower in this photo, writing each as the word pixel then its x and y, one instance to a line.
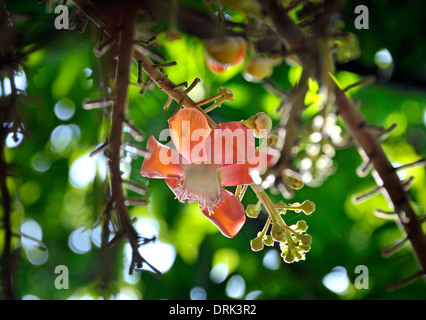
pixel 204 162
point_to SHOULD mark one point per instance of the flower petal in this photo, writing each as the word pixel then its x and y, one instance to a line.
pixel 230 143
pixel 237 174
pixel 162 162
pixel 228 215
pixel 188 129
pixel 173 184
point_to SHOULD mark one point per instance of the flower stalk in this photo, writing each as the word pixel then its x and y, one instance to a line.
pixel 293 242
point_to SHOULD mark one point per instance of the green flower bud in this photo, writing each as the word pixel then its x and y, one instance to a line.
pixel 256 244
pixel 267 240
pixel 304 248
pixel 293 183
pixel 308 207
pixel 253 210
pixel 277 233
pixel 306 239
pixel 288 257
pixel 302 225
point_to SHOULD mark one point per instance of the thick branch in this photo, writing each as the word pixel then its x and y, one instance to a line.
pixel 121 31
pixel 7 257
pixel 385 174
pixel 118 114
pixel 291 35
pixel 6 271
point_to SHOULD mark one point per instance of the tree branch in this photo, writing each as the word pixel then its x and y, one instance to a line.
pixel 139 56
pixel 6 270
pixel 121 32
pixel 125 42
pixel 7 257
pixel 384 174
pixel 165 84
pixel 117 116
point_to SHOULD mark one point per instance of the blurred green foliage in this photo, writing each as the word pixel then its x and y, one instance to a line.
pixel 344 234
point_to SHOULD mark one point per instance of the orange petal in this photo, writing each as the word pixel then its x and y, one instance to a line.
pixel 215 66
pixel 188 129
pixel 173 185
pixel 237 174
pixel 162 162
pixel 228 215
pixel 230 143
pixel 241 52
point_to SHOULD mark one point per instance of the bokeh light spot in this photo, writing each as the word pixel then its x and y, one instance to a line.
pixel 337 280
pixel 64 109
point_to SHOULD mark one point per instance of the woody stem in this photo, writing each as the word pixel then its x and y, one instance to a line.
pixel 117 116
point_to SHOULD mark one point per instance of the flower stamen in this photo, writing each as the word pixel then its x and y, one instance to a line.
pixel 200 184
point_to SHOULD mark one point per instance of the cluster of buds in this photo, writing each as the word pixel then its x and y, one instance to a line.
pixel 293 240
pixel 222 53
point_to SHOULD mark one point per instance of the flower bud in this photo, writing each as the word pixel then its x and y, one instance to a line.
pixel 257 69
pixel 304 248
pixel 256 244
pixel 267 240
pixel 272 140
pixel 253 210
pixel 306 239
pixel 308 207
pixel 277 233
pixel 302 225
pixel 288 256
pixel 221 53
pixel 260 123
pixel 293 183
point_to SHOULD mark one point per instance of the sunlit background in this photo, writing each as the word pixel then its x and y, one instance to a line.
pixel 59 188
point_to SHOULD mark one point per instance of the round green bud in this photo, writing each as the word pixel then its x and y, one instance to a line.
pixel 302 225
pixel 306 239
pixel 267 240
pixel 256 244
pixel 308 207
pixel 253 211
pixel 289 257
pixel 277 233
